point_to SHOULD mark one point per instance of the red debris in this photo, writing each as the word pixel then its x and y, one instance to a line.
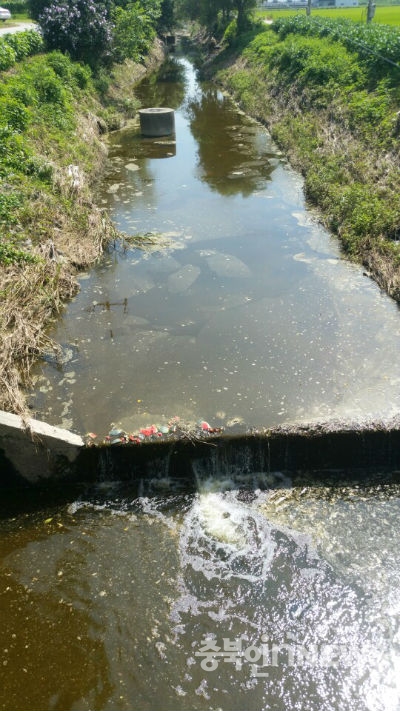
pixel 148 431
pixel 205 426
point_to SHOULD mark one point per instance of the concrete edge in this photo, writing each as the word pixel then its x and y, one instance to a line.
pixel 34 450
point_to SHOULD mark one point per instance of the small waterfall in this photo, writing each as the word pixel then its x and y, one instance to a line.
pixel 316 453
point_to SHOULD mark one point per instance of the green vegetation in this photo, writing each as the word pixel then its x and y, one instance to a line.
pixel 53 112
pixel 215 15
pixel 17 8
pixel 100 33
pixel 384 14
pixel 15 47
pixel 37 124
pixel 332 103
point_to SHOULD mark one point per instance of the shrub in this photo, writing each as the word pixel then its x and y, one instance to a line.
pixel 133 32
pixel 13 151
pixel 230 33
pixel 13 114
pixel 312 61
pixel 79 28
pixel 82 75
pixel 7 56
pixel 15 47
pixel 24 44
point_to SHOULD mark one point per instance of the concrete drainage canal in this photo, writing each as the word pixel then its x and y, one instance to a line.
pixel 202 545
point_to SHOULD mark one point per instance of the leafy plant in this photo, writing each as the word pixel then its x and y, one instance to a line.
pixel 133 32
pixel 377 46
pixel 8 203
pixel 80 28
pixel 9 254
pixel 14 47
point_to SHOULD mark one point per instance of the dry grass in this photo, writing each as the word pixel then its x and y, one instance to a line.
pixel 31 294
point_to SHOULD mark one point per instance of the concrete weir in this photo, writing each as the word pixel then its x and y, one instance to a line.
pixel 38 453
pixel 33 451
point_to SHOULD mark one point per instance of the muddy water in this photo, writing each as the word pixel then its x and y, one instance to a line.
pixel 246 314
pixel 286 599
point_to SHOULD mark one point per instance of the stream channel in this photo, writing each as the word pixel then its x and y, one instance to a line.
pixel 250 594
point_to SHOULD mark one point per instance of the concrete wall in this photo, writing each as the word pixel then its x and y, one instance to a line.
pixel 41 453
pixel 35 451
pixel 314 454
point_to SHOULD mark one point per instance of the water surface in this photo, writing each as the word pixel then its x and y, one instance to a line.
pixel 248 315
pixel 112 603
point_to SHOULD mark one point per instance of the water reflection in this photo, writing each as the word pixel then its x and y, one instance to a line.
pixel 226 160
pixel 165 87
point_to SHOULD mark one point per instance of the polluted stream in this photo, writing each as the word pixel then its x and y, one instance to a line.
pixel 251 593
pixel 240 311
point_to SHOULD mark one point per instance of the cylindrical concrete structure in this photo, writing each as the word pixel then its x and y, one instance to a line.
pixel 157 121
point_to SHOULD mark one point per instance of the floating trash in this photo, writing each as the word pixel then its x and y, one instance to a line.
pixel 148 431
pixel 174 430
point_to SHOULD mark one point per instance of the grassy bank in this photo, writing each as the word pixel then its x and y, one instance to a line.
pixel 53 119
pixel 333 107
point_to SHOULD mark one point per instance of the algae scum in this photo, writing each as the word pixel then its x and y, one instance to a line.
pixel 250 593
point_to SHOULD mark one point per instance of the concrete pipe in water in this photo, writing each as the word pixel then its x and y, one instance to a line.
pixel 157 121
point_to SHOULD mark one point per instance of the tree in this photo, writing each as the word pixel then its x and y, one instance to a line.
pixel 36 7
pixel 213 13
pixel 80 28
pixel 133 31
pixel 243 9
pixel 98 32
pixel 166 20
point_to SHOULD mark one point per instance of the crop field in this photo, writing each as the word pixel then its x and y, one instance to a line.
pixel 384 14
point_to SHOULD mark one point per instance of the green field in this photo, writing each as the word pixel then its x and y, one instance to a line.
pixel 385 14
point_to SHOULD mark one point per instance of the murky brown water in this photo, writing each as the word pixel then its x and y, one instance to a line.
pixel 113 604
pixel 249 315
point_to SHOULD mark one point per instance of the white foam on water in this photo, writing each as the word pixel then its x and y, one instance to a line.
pixel 225 538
